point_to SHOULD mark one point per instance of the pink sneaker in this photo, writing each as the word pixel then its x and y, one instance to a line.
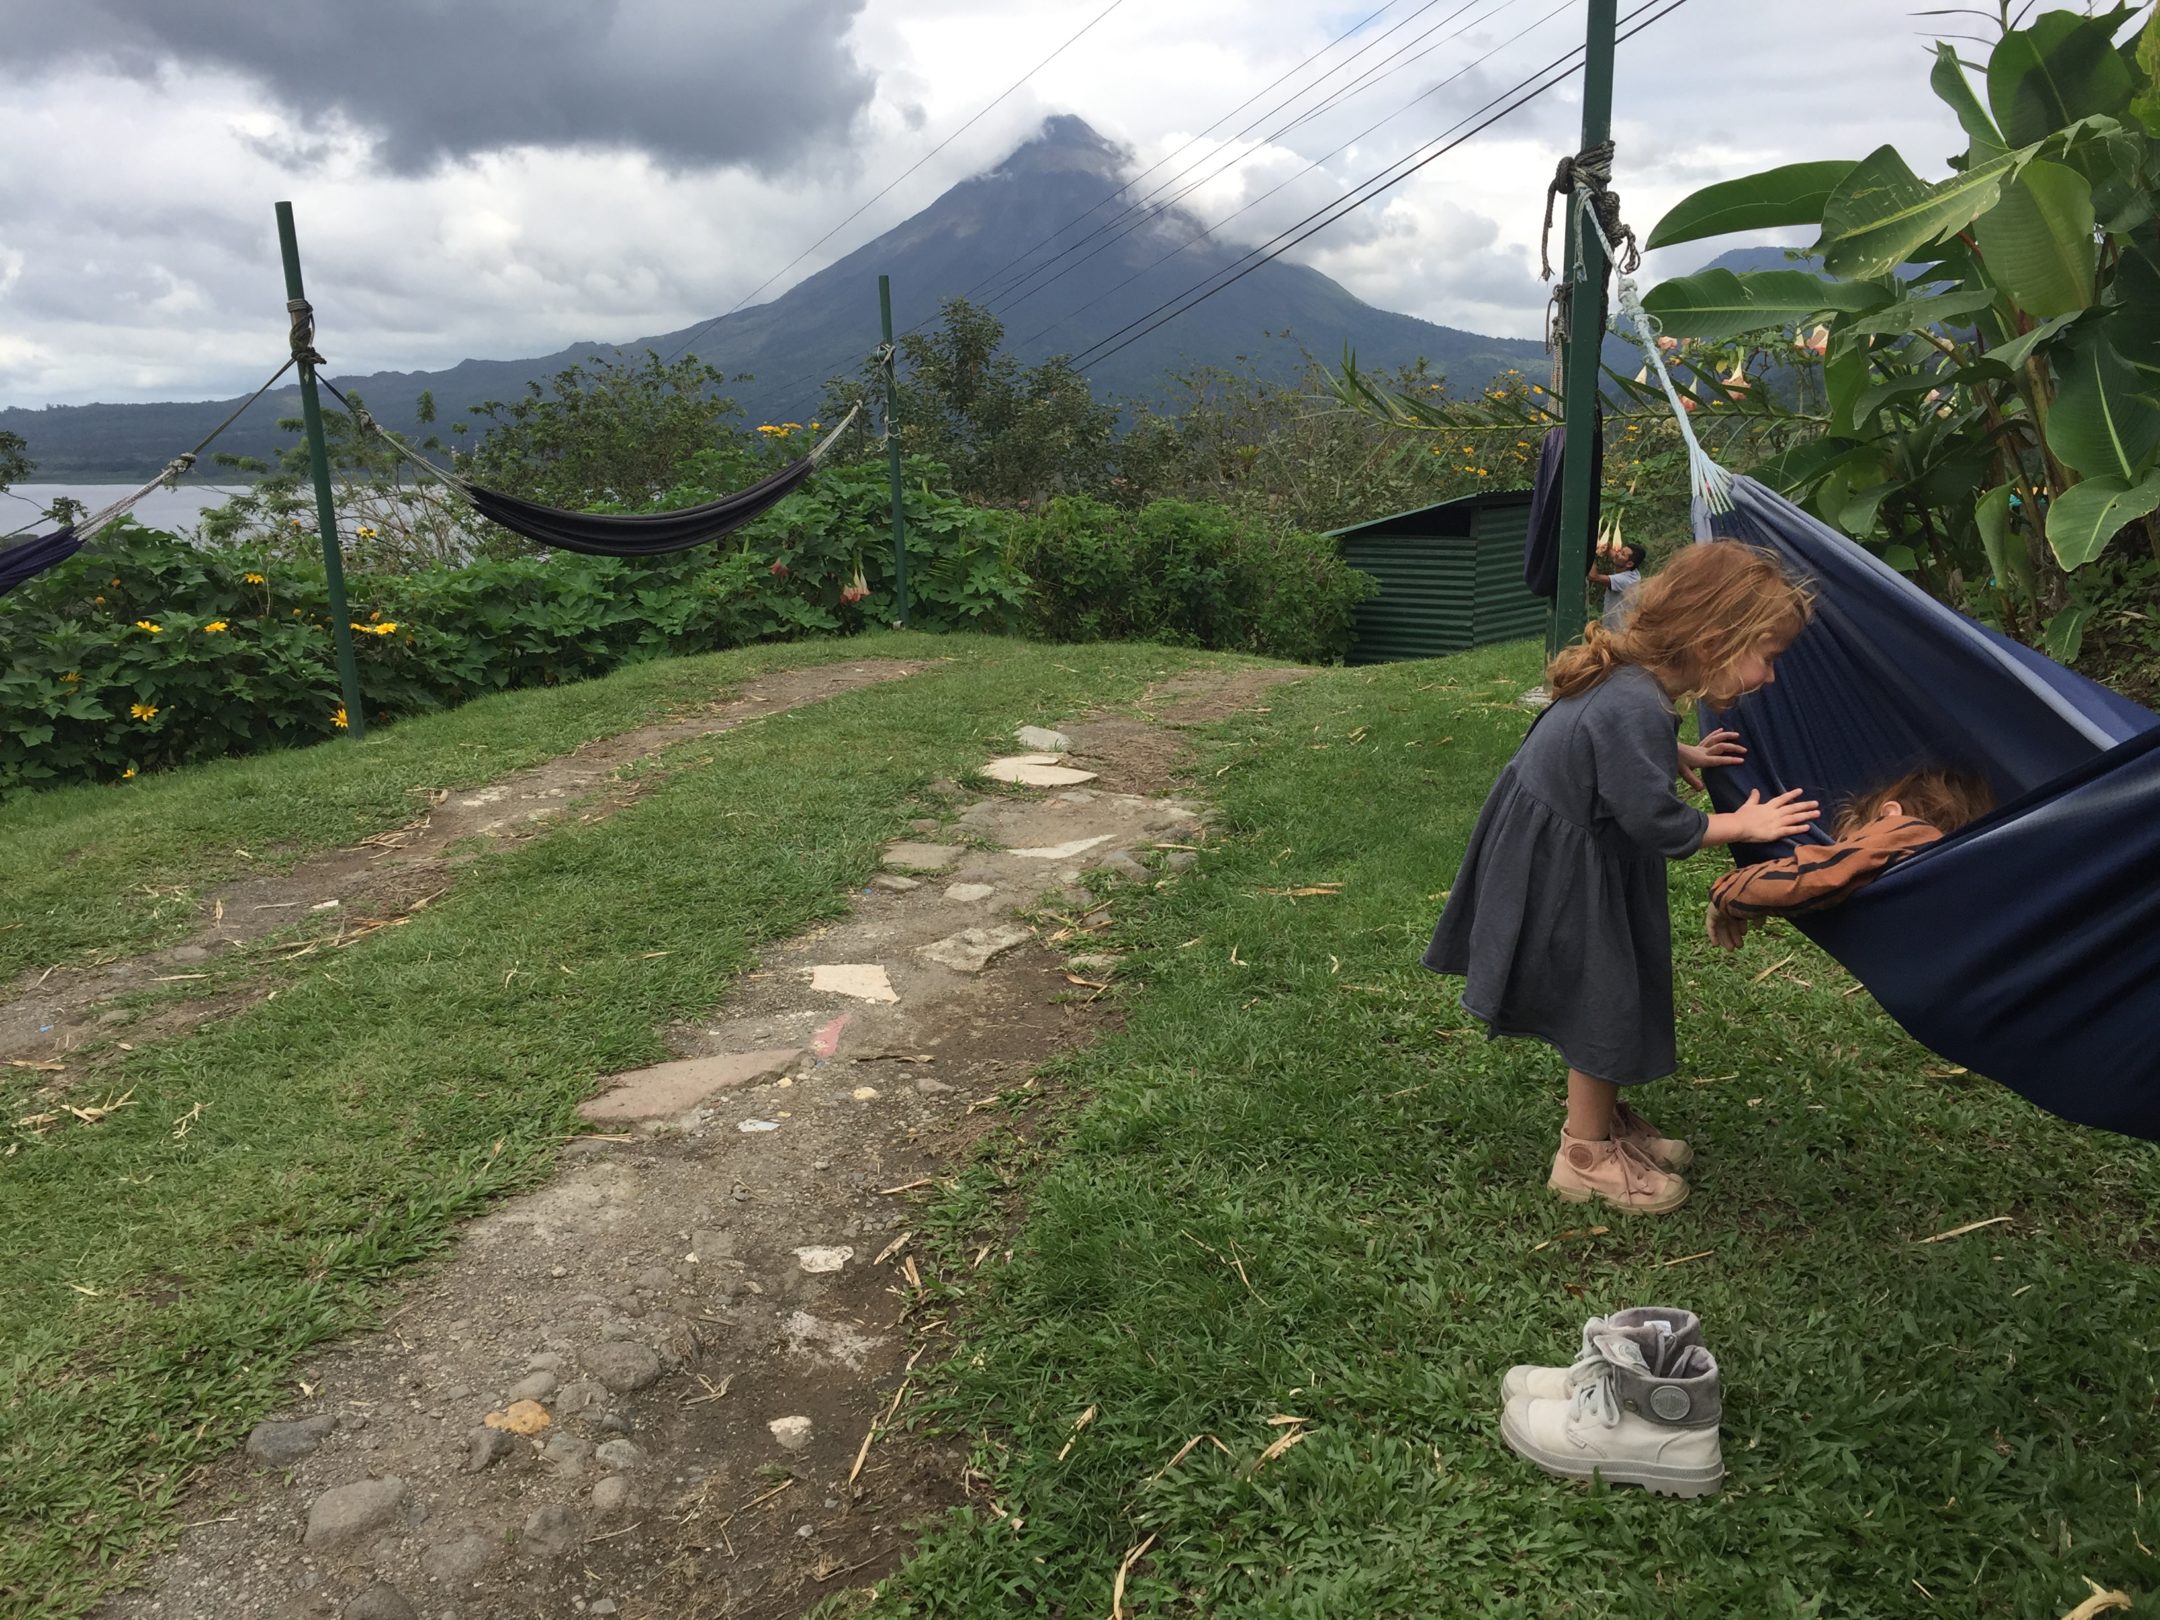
pixel 1666 1152
pixel 1615 1173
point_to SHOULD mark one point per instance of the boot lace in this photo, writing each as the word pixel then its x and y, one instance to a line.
pixel 1592 1397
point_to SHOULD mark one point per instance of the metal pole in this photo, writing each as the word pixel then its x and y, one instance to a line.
pixel 892 449
pixel 1585 344
pixel 325 507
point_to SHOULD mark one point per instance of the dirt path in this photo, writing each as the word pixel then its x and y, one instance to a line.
pixel 712 1311
pixel 349 893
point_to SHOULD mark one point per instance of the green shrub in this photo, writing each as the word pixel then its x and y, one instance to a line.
pixel 1186 573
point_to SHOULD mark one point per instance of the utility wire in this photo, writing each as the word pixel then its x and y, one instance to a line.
pixel 1113 194
pixel 1562 70
pixel 1141 202
pixel 896 179
pixel 1208 230
pixel 1147 214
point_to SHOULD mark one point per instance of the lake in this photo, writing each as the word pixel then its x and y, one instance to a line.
pixel 176 509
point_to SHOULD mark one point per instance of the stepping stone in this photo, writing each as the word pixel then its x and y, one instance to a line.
pixel 973 949
pixel 667 1089
pixel 1035 770
pixel 793 1433
pixel 817 1261
pixel 865 981
pixel 1043 740
pixel 891 883
pixel 970 892
pixel 1061 852
pixel 908 857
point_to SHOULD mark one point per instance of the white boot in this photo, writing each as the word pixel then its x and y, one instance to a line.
pixel 1661 1331
pixel 1626 1424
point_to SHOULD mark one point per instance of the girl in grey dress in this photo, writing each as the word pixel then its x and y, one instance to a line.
pixel 1559 920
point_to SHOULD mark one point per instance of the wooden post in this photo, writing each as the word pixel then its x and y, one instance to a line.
pixel 325 505
pixel 1580 359
pixel 892 451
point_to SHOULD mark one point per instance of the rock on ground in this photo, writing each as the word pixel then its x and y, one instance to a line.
pixel 487 1447
pixel 346 1513
pixel 793 1433
pixel 973 949
pixel 280 1445
pixel 382 1601
pixel 1043 740
pixel 554 1531
pixel 625 1366
pixel 460 1562
pixel 909 857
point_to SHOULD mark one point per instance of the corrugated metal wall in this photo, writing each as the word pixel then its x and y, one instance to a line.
pixel 1450 579
pixel 1427 603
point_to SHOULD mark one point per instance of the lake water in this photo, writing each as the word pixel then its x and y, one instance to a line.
pixel 177 509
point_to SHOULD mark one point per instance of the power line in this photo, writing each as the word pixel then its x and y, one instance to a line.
pixel 1141 204
pixel 896 179
pixel 1098 352
pixel 1208 230
pixel 1112 194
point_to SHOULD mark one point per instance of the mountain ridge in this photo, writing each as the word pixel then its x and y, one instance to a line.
pixel 1023 208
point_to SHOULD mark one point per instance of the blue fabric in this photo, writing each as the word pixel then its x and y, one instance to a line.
pixel 2027 946
pixel 1541 538
pixel 33 557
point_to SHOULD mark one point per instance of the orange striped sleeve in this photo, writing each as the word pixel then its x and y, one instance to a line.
pixel 1820 874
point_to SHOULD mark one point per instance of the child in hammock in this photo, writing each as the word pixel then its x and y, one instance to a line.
pixel 1874 832
pixel 1559 919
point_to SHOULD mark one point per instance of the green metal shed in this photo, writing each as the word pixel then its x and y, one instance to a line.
pixel 1451 578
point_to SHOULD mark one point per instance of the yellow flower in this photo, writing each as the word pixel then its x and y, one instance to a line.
pixel 143 711
pixel 71 677
pixel 130 771
pixel 296 523
pixel 365 531
pixel 253 579
pixel 99 600
pixel 113 582
pixel 386 627
pixel 215 627
pixel 145 624
pixel 338 719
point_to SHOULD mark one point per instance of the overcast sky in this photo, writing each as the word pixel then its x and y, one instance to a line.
pixel 500 178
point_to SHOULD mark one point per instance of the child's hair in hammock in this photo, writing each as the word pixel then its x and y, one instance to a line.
pixel 1945 798
pixel 1692 622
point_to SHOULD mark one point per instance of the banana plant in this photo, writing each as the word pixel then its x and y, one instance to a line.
pixel 1992 354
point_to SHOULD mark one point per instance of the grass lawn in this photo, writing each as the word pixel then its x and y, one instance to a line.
pixel 1300 1185
pixel 1305 1187
pixel 160 1271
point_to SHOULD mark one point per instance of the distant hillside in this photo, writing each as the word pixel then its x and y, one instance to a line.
pixel 827 324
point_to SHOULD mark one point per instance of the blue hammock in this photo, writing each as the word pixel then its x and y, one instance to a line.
pixel 2027 946
pixel 33 557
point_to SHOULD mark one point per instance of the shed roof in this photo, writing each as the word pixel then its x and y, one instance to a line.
pixel 1455 517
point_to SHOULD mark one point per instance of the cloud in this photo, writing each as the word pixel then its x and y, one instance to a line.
pixel 689 82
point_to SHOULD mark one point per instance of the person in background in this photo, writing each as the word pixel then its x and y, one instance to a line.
pixel 1625 560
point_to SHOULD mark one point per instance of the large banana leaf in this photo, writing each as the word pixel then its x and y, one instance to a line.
pixel 2103 421
pixel 2063 68
pixel 1882 213
pixel 1791 195
pixel 2038 239
pixel 2085 517
pixel 1718 304
pixel 1950 83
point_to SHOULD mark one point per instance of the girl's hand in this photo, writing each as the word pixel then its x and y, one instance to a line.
pixel 1766 821
pixel 1719 748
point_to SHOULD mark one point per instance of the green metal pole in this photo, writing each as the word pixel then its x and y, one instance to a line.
pixel 1585 342
pixel 325 507
pixel 892 449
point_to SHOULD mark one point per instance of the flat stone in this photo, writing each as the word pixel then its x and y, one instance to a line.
pixel 933 1088
pixel 793 1433
pixel 1061 852
pixel 1181 860
pixel 973 949
pixel 909 857
pixel 579 1395
pixel 620 1455
pixel 567 1453
pixel 625 1366
pixel 280 1445
pixel 1121 863
pixel 487 1447
pixel 968 893
pixel 1042 740
pixel 865 981
pixel 1094 964
pixel 554 1531
pixel 460 1562
pixel 536 1386
pixel 1035 770
pixel 983 816
pixel 345 1514
pixel 667 1089
pixel 894 883
pixel 816 1261
pixel 612 1495
pixel 382 1601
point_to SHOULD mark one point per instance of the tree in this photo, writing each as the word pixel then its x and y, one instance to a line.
pixel 15 462
pixel 1993 336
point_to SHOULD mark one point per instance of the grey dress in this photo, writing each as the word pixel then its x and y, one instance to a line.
pixel 1559 918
